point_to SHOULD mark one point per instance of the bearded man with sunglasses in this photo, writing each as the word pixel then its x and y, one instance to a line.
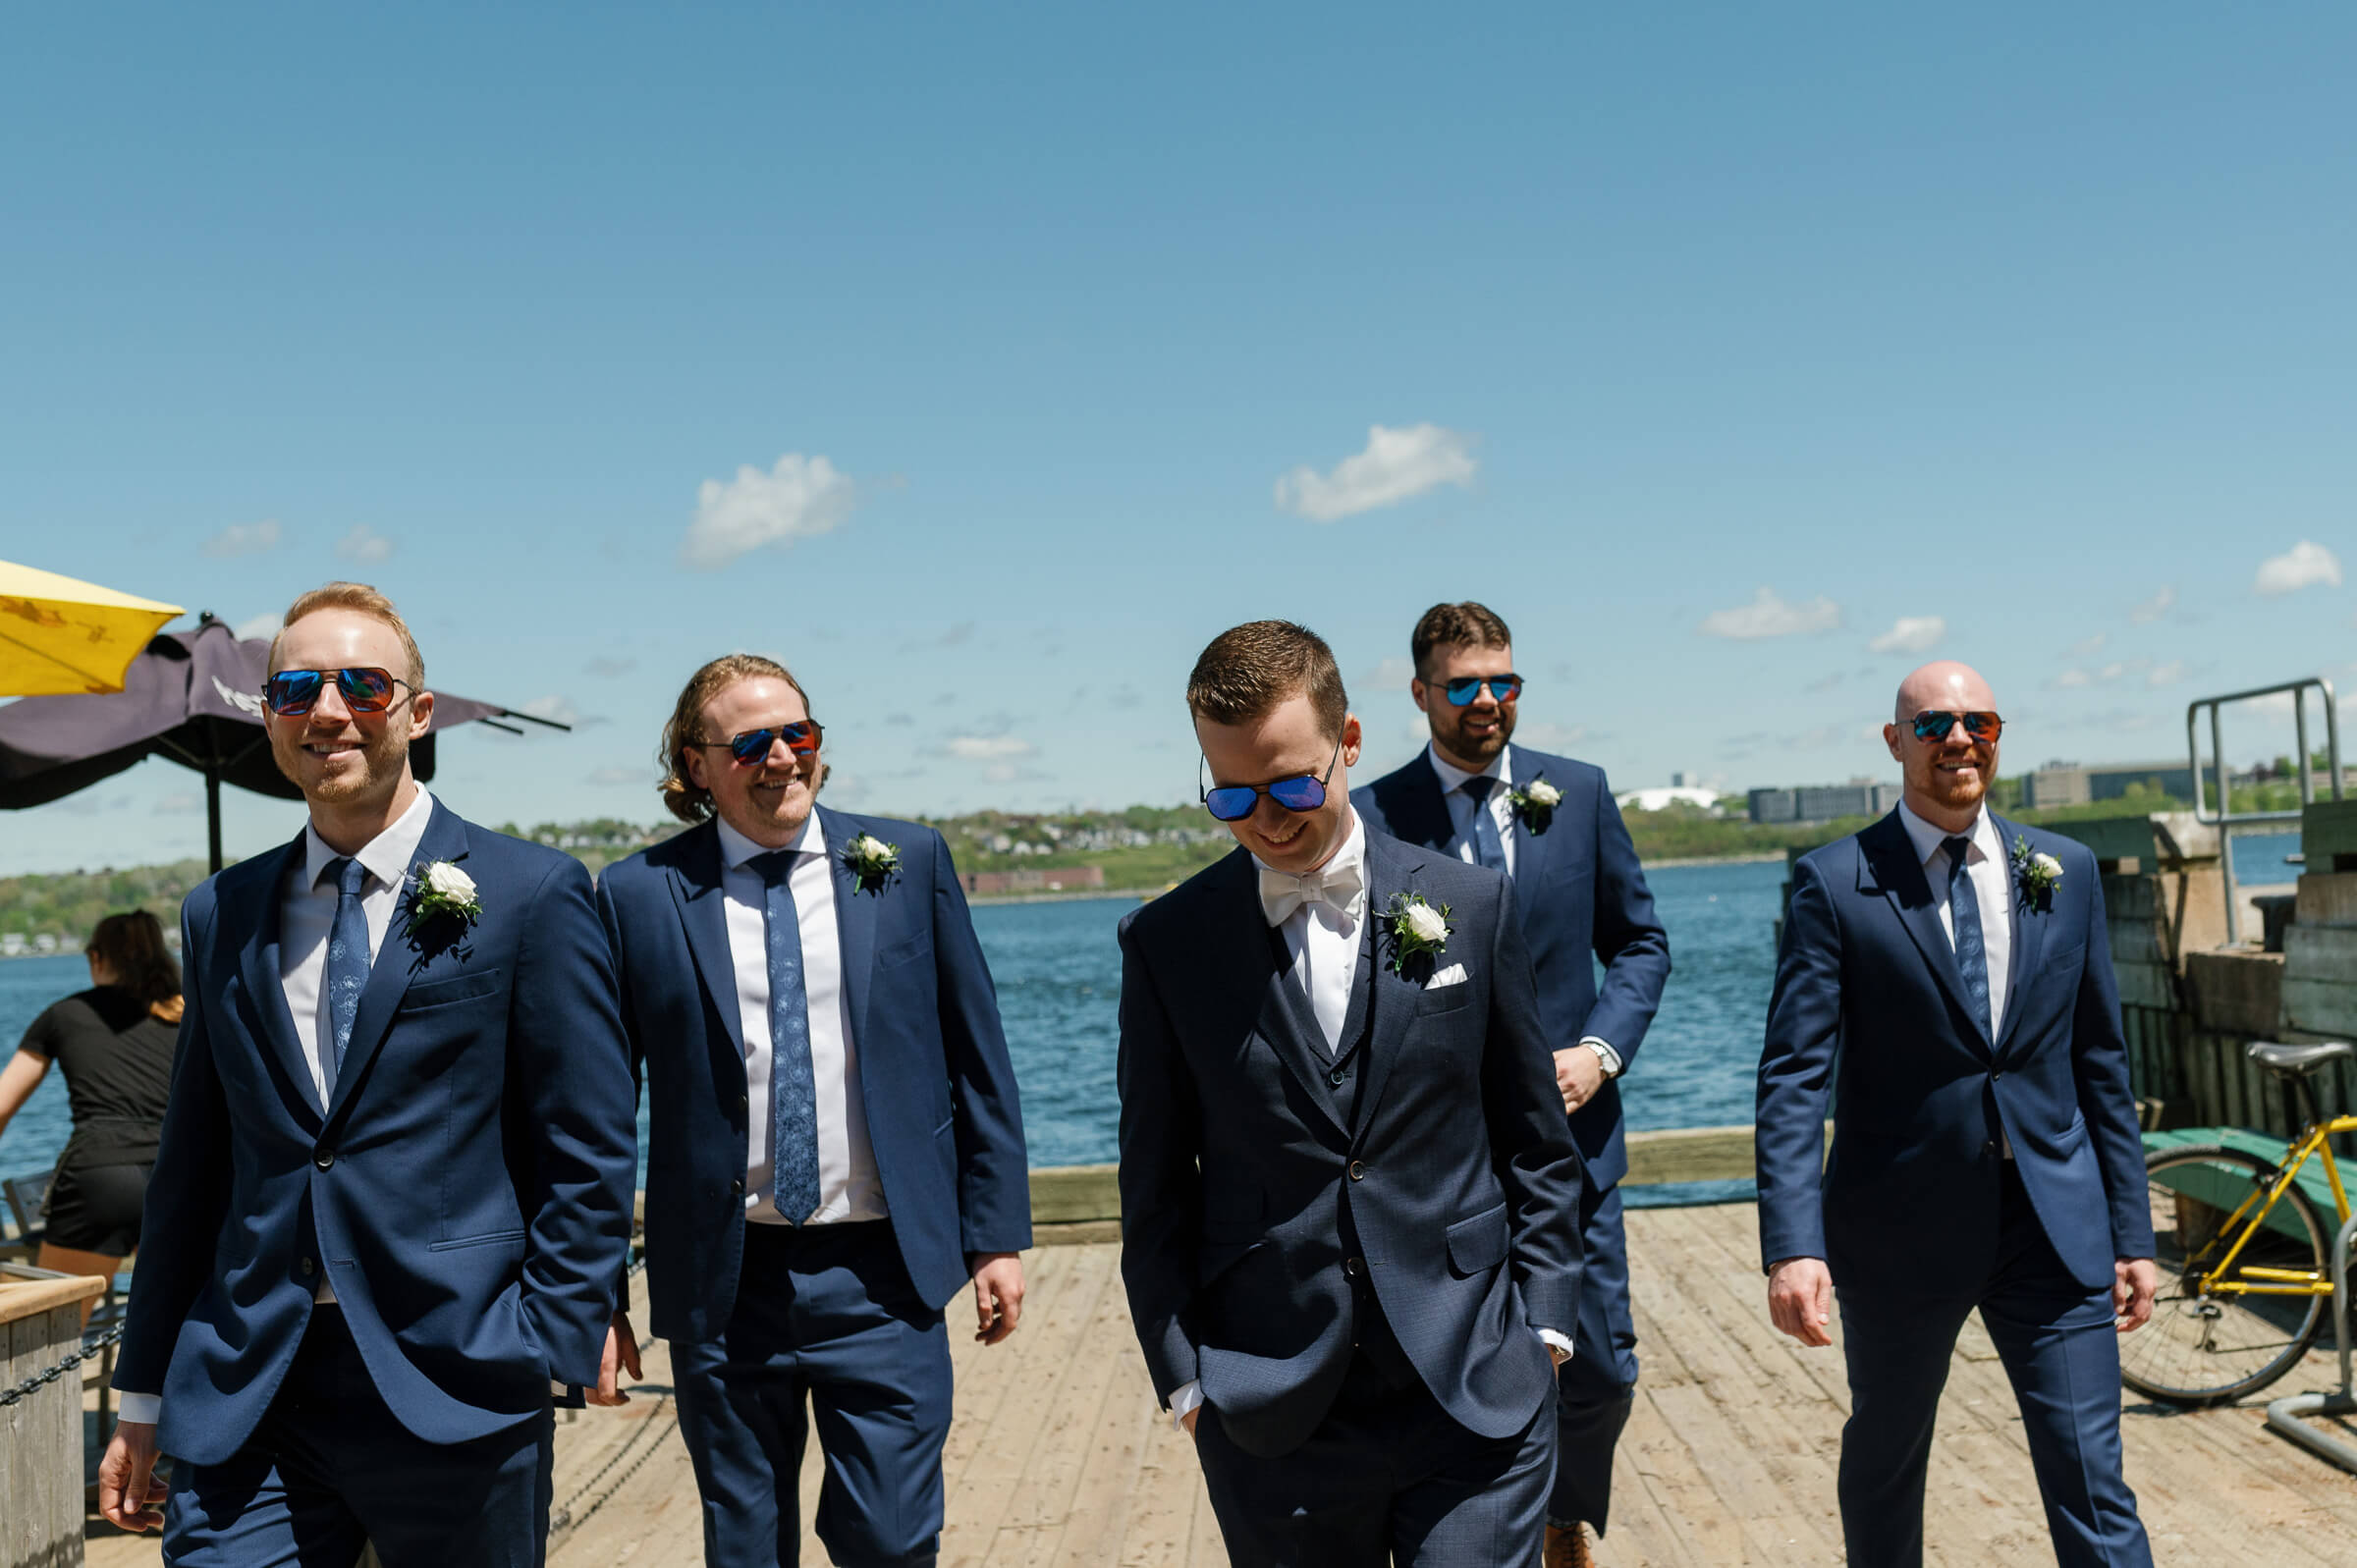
pixel 1946 976
pixel 836 1144
pixel 1348 1192
pixel 394 1190
pixel 1550 823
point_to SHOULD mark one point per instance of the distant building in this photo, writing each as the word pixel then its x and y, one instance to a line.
pixel 1675 794
pixel 1062 879
pixel 1774 805
pixel 1860 797
pixel 2068 784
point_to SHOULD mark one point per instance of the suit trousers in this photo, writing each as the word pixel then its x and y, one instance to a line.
pixel 2061 1353
pixel 825 1313
pixel 1595 1389
pixel 1387 1478
pixel 330 1470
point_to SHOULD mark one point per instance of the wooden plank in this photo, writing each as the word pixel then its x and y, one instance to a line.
pixel 2321 952
pixel 2328 832
pixel 2326 899
pixel 2145 985
pixel 2320 1007
pixel 1074 1192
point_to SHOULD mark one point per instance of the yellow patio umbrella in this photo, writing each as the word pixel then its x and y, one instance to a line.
pixel 61 637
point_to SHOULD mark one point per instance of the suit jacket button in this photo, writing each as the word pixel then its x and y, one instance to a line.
pixel 1358 1171
pixel 1354 1267
pixel 1335 1078
pixel 309 1267
pixel 1994 1076
pixel 736 1189
pixel 323 1158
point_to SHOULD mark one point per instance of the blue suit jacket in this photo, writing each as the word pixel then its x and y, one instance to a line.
pixel 1462 1180
pixel 1582 896
pixel 469 1187
pixel 1869 1004
pixel 943 1114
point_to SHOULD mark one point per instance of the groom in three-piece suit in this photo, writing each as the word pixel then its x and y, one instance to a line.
pixel 1582 899
pixel 1347 1190
pixel 394 1190
pixel 834 1142
pixel 1946 978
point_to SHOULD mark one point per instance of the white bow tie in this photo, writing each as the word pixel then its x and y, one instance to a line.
pixel 1342 889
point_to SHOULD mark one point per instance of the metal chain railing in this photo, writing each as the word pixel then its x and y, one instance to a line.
pixel 90 1348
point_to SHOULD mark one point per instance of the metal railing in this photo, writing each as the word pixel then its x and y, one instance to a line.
pixel 2225 819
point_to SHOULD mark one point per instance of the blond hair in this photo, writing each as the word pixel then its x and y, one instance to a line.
pixel 683 796
pixel 1248 672
pixel 360 599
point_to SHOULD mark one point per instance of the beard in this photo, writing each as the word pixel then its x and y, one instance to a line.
pixel 382 757
pixel 1476 748
pixel 1962 791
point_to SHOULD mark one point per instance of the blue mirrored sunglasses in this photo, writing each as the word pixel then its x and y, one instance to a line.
pixel 1235 802
pixel 365 688
pixel 1934 723
pixel 750 747
pixel 1506 688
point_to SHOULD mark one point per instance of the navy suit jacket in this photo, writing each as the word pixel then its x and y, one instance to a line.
pixel 1582 896
pixel 1464 1183
pixel 468 1187
pixel 1869 1004
pixel 943 1114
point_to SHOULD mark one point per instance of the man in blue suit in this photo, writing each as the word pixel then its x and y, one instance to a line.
pixel 1348 1193
pixel 1946 976
pixel 1550 823
pixel 393 1195
pixel 836 1144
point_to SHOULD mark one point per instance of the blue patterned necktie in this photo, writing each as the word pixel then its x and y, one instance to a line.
pixel 347 958
pixel 792 1091
pixel 1489 849
pixel 1972 953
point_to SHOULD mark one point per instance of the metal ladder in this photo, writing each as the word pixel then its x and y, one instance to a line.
pixel 2224 819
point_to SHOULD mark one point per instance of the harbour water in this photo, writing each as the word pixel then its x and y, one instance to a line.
pixel 1059 975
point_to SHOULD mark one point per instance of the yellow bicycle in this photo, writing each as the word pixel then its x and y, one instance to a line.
pixel 2243 1252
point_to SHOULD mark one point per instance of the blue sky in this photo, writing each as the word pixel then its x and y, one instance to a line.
pixel 1721 351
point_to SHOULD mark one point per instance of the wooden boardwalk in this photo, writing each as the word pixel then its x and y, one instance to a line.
pixel 1058 1458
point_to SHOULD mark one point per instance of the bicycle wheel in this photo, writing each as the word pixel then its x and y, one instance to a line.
pixel 2205 1346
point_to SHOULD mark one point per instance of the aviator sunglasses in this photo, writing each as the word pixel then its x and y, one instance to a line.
pixel 750 747
pixel 1934 723
pixel 365 688
pixel 1506 688
pixel 1235 802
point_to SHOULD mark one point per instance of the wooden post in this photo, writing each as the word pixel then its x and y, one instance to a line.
pixel 41 1434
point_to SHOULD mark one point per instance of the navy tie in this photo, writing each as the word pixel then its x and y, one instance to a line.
pixel 1489 849
pixel 1972 953
pixel 347 959
pixel 792 1090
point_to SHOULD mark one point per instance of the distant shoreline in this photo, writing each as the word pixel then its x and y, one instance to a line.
pixel 1082 894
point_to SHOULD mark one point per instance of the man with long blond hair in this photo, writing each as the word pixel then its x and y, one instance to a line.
pixel 392 1195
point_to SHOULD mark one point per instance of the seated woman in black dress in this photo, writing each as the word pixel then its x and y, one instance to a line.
pixel 115 1043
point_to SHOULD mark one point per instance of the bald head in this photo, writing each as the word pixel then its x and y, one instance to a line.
pixel 1944 684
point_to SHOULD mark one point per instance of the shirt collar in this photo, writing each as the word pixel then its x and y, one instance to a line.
pixel 387 856
pixel 1353 852
pixel 736 848
pixel 1453 778
pixel 1928 837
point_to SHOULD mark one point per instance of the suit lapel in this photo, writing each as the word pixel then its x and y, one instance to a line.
pixel 259 969
pixel 1891 864
pixel 389 977
pixel 1531 850
pixel 1238 944
pixel 2029 938
pixel 856 916
pixel 695 887
pixel 1391 999
pixel 1422 817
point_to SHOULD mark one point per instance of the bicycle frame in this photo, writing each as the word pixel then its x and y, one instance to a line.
pixel 2257 1279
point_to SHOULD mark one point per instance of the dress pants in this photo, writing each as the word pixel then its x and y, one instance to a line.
pixel 1387 1478
pixel 2056 1341
pixel 827 1313
pixel 1595 1389
pixel 330 1470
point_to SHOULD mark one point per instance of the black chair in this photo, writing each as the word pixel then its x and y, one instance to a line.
pixel 26 1194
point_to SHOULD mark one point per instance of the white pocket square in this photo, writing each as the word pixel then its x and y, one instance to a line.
pixel 1453 975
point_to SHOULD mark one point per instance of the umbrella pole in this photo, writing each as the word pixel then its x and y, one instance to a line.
pixel 212 817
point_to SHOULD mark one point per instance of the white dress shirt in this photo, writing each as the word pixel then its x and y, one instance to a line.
pixel 848 1187
pixel 1992 889
pixel 1461 807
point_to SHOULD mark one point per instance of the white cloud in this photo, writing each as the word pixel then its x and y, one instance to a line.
pixel 243 538
pixel 1393 675
pixel 622 775
pixel 365 545
pixel 2303 566
pixel 555 710
pixel 2070 679
pixel 2166 675
pixel 1767 616
pixel 2155 608
pixel 2086 646
pixel 178 803
pixel 799 499
pixel 986 748
pixel 1910 634
pixel 1397 465
pixel 1549 736
pixel 255 626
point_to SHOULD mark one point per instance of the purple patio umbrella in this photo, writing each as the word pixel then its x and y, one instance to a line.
pixel 194 697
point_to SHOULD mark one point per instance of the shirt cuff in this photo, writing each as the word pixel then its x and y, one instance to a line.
pixel 145 1409
pixel 1186 1400
pixel 1556 1341
pixel 1604 1054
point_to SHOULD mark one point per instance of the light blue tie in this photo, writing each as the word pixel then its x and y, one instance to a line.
pixel 1489 849
pixel 347 958
pixel 792 1091
pixel 1972 953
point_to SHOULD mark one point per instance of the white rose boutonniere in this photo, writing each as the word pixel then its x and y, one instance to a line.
pixel 871 862
pixel 1535 804
pixel 1418 928
pixel 441 892
pixel 2038 873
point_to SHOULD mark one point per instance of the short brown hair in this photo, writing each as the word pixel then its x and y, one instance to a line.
pixel 684 798
pixel 1249 671
pixel 360 599
pixel 1465 624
